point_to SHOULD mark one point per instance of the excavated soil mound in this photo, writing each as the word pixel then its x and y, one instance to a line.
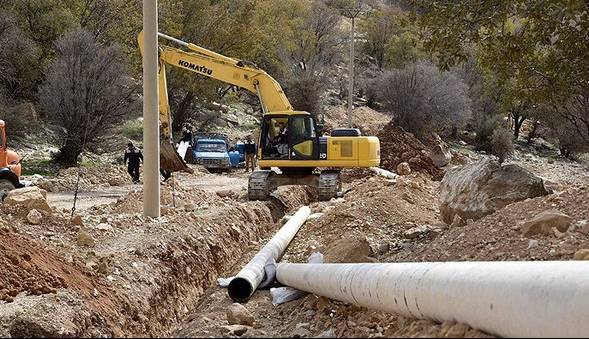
pixel 397 146
pixel 498 237
pixel 90 178
pixel 25 267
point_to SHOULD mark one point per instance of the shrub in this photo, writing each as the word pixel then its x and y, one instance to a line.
pixel 502 143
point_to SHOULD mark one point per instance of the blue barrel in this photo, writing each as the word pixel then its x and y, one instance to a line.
pixel 234 157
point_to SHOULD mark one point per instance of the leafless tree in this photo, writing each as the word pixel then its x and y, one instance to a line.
pixel 86 93
pixel 424 99
pixel 569 124
pixel 316 47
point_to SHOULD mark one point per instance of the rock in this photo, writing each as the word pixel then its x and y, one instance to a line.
pixel 458 221
pixel 85 239
pixel 237 314
pixel 77 220
pixel 327 334
pixel 225 193
pixel 403 169
pixel 415 232
pixel 34 217
pixel 301 331
pixel 481 188
pixel 103 227
pixel 544 222
pixel 532 243
pixel 237 330
pixel 349 250
pixel 31 197
pixel 439 151
pixel 582 254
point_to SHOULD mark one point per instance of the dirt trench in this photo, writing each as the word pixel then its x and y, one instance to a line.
pixel 151 273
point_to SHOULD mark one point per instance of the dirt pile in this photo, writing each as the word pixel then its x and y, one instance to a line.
pixel 397 146
pixel 368 120
pixel 90 178
pixel 374 209
pixel 498 236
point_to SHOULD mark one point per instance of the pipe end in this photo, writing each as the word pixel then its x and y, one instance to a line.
pixel 240 290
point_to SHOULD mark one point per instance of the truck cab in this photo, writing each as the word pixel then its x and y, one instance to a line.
pixel 212 152
pixel 10 167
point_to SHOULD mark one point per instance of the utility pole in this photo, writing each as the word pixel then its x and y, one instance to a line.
pixel 352 13
pixel 151 135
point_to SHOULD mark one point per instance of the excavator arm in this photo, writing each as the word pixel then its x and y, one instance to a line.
pixel 212 65
pixel 215 66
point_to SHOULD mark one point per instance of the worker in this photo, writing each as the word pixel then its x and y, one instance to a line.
pixel 281 139
pixel 250 153
pixel 134 156
pixel 187 134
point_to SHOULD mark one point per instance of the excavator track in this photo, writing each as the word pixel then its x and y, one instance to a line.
pixel 259 185
pixel 329 185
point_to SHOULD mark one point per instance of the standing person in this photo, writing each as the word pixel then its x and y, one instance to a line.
pixel 134 156
pixel 187 134
pixel 250 153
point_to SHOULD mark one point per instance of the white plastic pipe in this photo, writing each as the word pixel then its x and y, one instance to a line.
pixel 151 145
pixel 384 173
pixel 509 299
pixel 248 279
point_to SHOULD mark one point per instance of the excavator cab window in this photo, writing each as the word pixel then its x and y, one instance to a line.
pixel 288 137
pixel 302 137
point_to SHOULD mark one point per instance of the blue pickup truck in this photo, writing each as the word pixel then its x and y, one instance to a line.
pixel 213 152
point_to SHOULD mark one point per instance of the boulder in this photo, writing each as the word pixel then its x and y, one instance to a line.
pixel 237 314
pixel 544 222
pixel 237 330
pixel 77 220
pixel 403 169
pixel 439 151
pixel 34 217
pixel 31 197
pixel 349 250
pixel 481 188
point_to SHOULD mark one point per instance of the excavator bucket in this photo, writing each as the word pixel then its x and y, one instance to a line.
pixel 170 160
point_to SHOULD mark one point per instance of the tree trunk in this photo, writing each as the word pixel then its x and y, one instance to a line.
pixel 518 122
pixel 181 114
pixel 69 153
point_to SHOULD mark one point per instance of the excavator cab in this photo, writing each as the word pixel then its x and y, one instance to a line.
pixel 289 137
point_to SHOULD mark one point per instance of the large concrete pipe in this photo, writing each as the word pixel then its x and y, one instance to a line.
pixel 248 279
pixel 510 299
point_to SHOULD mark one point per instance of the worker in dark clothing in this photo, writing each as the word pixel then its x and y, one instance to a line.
pixel 187 135
pixel 250 153
pixel 135 157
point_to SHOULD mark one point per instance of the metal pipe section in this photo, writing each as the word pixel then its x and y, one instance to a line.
pixel 248 279
pixel 151 135
pixel 384 173
pixel 509 299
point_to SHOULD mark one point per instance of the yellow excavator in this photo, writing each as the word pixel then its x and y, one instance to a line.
pixel 292 149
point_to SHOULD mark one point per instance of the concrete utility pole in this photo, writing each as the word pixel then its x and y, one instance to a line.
pixel 151 135
pixel 352 13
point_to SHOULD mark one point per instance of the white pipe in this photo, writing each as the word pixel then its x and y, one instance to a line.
pixel 248 279
pixel 384 173
pixel 509 299
pixel 151 145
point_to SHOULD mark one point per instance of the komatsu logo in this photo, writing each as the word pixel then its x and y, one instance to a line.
pixel 198 68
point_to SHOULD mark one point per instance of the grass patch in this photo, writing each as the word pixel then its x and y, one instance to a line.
pixel 44 167
pixel 132 129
